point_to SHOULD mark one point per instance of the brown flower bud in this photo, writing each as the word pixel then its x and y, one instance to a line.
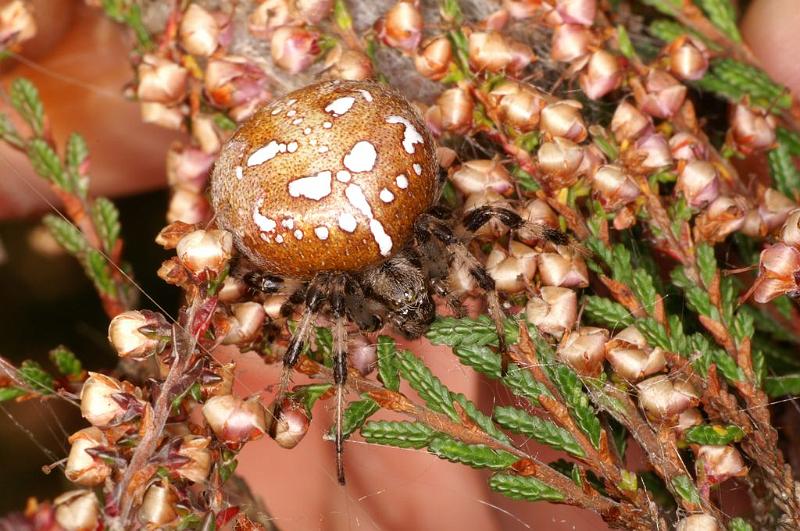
pixel 518 104
pixel 570 42
pixel 563 268
pixel 663 95
pixel 774 208
pixel 188 207
pixel 698 522
pixel 217 380
pixel 351 65
pixel 720 462
pixel 603 74
pixel 723 216
pixel 576 11
pixel 291 425
pixel 83 468
pixel 162 115
pixel 752 130
pixel 688 419
pixel 235 83
pixel 233 420
pixel 655 150
pixel 779 272
pixel 245 323
pixel 268 16
pixel 17 23
pixel 98 404
pixel 159 505
pixel 493 52
pixel 478 175
pixel 613 188
pixel 584 350
pixel 77 510
pixel 698 181
pixel 362 354
pixel 313 11
pixel 232 290
pixel 205 133
pixel 135 334
pixel 205 252
pixel 631 357
pixel 401 28
pixel 294 49
pixel 188 167
pixel 452 112
pixel 510 273
pixel 661 398
pixel 199 31
pixel 790 233
pixel 195 449
pixel 522 9
pixel 435 58
pixel 563 119
pixel 554 312
pixel 686 146
pixel 628 122
pixel 161 81
pixel 559 160
pixel 688 58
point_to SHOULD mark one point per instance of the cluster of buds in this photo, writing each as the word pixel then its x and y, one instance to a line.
pixel 17 24
pixel 779 264
pixel 631 357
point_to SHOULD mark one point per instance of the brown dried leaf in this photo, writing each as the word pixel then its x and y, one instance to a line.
pixel 623 294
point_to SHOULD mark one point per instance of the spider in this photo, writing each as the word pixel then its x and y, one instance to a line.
pixel 335 187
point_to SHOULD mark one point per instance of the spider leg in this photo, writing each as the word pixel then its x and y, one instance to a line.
pixel 339 367
pixel 478 217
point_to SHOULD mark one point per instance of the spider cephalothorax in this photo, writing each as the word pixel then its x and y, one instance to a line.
pixel 333 186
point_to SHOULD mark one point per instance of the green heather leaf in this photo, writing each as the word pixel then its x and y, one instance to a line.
pixel 785 174
pixel 790 139
pixel 454 331
pixel 577 401
pixel 106 220
pixel 607 312
pixel 77 153
pixel 644 289
pixel 739 524
pixel 478 417
pixel 427 386
pixel 524 488
pixel 400 434
pixel 522 384
pixel 679 342
pixel 388 363
pixel 65 361
pixel 341 16
pixel 224 122
pixel 541 430
pixel 696 297
pixel 36 377
pixel 654 332
pixel 474 455
pixel 680 212
pixel 525 179
pixel 46 163
pixel 685 488
pixel 66 234
pixel 10 393
pixel 787 384
pixel 97 270
pixel 25 99
pixel 723 15
pixel 624 42
pixel 668 7
pixel 309 394
pixel 743 326
pixel 713 434
pixel 356 415
pixel 759 366
pixel 706 263
pixel 481 358
pixel 667 30
pixel 451 11
pixel 733 80
pixel 9 133
pixel 727 366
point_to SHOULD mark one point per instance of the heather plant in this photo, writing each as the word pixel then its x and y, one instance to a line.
pixel 667 322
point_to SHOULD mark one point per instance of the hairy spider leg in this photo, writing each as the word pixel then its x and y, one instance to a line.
pixel 338 303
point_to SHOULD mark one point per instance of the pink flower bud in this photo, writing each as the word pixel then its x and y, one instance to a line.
pixel 570 41
pixel 723 216
pixel 478 175
pixel 452 112
pixel 161 81
pixel 163 116
pixel 233 420
pixel 688 419
pixel 314 11
pixel 631 357
pixel 294 49
pixel 510 273
pixel 613 188
pixel 779 272
pixel 661 398
pixel 205 133
pixel 720 463
pixel 77 510
pixel 217 380
pixel 584 350
pixel 522 9
pixel 494 228
pixel 564 119
pixel 235 83
pixel 698 181
pixel 291 425
pixel 688 58
pixel 774 208
pixel 245 323
pixel 268 16
pixel 83 468
pixel 790 233
pixel 686 146
pixel 188 207
pixel 159 505
pixel 559 160
pixel 435 58
pixel 628 122
pixel 188 167
pixel 655 150
pixel 17 23
pixel 518 104
pixel 205 252
pixel 603 74
pixel 563 268
pixel 401 28
pixel 751 130
pixel 362 354
pixel 664 95
pixel 232 290
pixel 199 31
pixel 351 65
pixel 135 334
pixel 493 52
pixel 577 11
pixel 698 522
pixel 98 403
pixel 554 312
pixel 195 449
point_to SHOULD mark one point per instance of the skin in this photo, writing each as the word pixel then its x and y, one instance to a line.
pixel 387 488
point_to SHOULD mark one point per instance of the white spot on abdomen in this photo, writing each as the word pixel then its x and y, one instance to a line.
pixel 279 238
pixel 291 113
pixel 298 234
pixel 340 106
pixel 361 157
pixel 292 147
pixel 417 169
pixel 402 181
pixel 356 197
pixel 343 176
pixel 365 93
pixel 386 196
pixel 321 232
pixel 327 125
pixel 314 187
pixel 347 222
pixel 263 222
pixel 410 134
pixel 288 223
pixel 265 153
pixel 239 172
pixel 383 240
